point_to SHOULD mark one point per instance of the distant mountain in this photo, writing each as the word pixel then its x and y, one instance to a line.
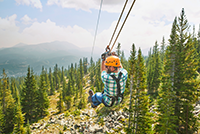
pixel 15 60
pixel 20 45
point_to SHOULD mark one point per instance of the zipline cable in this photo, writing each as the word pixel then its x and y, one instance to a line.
pixel 96 27
pixel 123 24
pixel 118 22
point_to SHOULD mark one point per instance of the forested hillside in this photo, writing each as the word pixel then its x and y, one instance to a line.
pixel 161 93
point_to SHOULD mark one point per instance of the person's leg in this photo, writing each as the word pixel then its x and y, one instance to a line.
pixel 97 98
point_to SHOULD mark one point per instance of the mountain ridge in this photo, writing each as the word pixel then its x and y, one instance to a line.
pixel 16 59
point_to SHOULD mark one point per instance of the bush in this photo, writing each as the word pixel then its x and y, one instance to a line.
pixel 77 112
pixel 67 113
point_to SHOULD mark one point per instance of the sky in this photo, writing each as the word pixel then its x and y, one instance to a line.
pixel 75 21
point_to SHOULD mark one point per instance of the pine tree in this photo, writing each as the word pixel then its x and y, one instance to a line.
pixel 166 102
pixel 82 103
pixel 8 104
pixel 183 75
pixel 60 103
pixel 68 102
pixel 124 61
pixel 156 70
pixel 2 121
pixel 85 64
pixel 13 88
pixel 64 86
pixel 28 96
pixel 81 69
pixel 42 97
pixel 132 73
pixel 142 118
pixel 119 50
pixel 149 65
pixel 162 50
pixel 19 120
pixel 28 129
pixel 52 89
pixel 48 85
pixel 56 77
pixel 91 72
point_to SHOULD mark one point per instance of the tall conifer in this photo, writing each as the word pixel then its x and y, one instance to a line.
pixel 8 104
pixel 52 89
pixel 42 97
pixel 60 103
pixel 2 121
pixel 28 96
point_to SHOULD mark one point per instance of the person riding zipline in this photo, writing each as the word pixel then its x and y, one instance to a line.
pixel 114 77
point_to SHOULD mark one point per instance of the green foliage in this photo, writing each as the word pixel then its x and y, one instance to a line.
pixel 101 122
pixel 60 103
pixel 28 129
pixel 68 102
pixel 42 96
pixel 19 121
pixel 154 69
pixel 141 119
pixel 2 121
pixel 8 105
pixel 67 113
pixel 29 96
pixel 82 102
pixel 76 112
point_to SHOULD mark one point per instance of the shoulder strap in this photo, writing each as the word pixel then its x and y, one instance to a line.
pixel 115 98
pixel 118 84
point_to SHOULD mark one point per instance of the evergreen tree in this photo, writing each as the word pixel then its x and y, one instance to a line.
pixel 132 74
pixel 64 86
pixel 166 102
pixel 162 50
pixel 85 64
pixel 183 75
pixel 19 120
pixel 142 118
pixel 8 104
pixel 69 88
pixel 91 72
pixel 13 88
pixel 156 71
pixel 2 121
pixel 119 50
pixel 52 89
pixel 56 77
pixel 42 97
pixel 48 85
pixel 149 65
pixel 29 96
pixel 124 61
pixel 68 102
pixel 82 103
pixel 81 69
pixel 60 103
pixel 28 129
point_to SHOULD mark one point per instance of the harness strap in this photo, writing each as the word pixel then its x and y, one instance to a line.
pixel 119 94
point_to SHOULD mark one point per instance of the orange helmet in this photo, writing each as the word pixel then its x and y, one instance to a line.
pixel 112 61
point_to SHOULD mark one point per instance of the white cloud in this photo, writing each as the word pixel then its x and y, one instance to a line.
pixel 145 25
pixel 41 32
pixel 77 4
pixel 34 3
pixel 9 32
pixel 27 20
